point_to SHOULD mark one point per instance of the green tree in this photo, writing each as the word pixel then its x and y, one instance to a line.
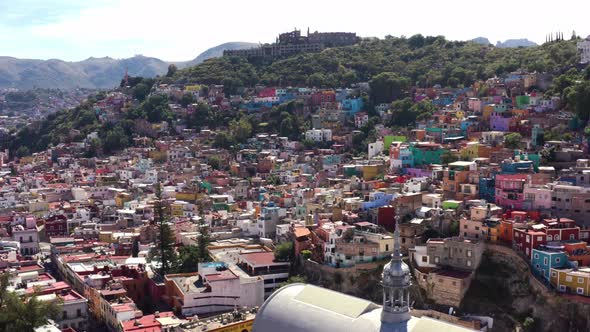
pixel 284 252
pixel 295 279
pixel 141 91
pixel 203 241
pixel 241 129
pixel 23 314
pixel 187 99
pixel 306 254
pixel 164 252
pixel 223 140
pixel 135 248
pixel 93 147
pixel 188 259
pixel 579 100
pixel 23 151
pixel 172 69
pixel 454 228
pixel 388 86
pixel 115 139
pixel 529 324
pixel 512 140
pixel 214 162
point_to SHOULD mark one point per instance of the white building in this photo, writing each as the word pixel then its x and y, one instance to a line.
pixel 375 149
pixel 28 238
pixel 584 49
pixel 215 288
pixel 319 135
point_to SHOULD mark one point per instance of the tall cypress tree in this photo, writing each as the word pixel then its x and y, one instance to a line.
pixel 166 253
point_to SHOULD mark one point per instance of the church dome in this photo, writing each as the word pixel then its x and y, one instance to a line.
pixel 396 268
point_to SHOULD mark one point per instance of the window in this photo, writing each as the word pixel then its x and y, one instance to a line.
pixel 469 263
pixel 536 256
pixel 568 278
pixel 424 259
pixel 436 259
pixel 572 236
pixel 554 274
pixel 468 253
pixel 79 312
pixel 580 280
pixel 545 261
pixel 580 290
pixel 539 238
pixel 556 237
pixel 387 247
pixel 549 237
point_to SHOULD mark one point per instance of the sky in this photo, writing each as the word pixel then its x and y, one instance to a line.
pixel 178 30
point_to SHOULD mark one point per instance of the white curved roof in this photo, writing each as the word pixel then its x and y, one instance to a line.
pixel 307 308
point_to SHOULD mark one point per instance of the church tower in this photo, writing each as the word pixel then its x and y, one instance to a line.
pixel 396 281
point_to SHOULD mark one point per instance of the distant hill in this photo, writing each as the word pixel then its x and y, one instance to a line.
pixel 516 43
pixel 481 40
pixel 101 73
pixel 217 51
pixel 90 73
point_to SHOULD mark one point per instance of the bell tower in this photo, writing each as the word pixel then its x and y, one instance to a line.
pixel 396 281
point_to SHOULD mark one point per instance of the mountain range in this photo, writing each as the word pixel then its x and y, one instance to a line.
pixel 97 73
pixel 509 43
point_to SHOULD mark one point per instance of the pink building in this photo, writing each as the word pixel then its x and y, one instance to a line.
pixel 537 197
pixel 475 104
pixel 510 191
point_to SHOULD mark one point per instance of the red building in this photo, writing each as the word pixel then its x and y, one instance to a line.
pixel 385 217
pixel 56 226
pixel 527 240
pixel 322 97
pixel 267 92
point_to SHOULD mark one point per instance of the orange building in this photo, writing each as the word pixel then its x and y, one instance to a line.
pixel 578 251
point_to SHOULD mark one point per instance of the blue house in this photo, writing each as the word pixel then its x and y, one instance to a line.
pixel 516 167
pixel 543 259
pixel 487 189
pixel 352 106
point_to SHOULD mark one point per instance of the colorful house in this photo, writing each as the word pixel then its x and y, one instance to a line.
pixel 572 281
pixel 545 258
pixel 427 153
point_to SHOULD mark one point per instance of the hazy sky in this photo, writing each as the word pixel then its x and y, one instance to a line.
pixel 176 30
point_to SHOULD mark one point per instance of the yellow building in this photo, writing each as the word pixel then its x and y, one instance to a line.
pixel 186 196
pixel 370 172
pixel 177 208
pixel 158 156
pixel 571 281
pixel 122 198
pixel 106 237
pixel 470 151
pixel 487 111
pixel 195 87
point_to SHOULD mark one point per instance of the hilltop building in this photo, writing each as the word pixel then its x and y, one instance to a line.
pixel 293 42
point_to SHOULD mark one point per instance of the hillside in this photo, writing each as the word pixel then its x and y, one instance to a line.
pixel 217 51
pixel 516 43
pixel 423 60
pixel 90 73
